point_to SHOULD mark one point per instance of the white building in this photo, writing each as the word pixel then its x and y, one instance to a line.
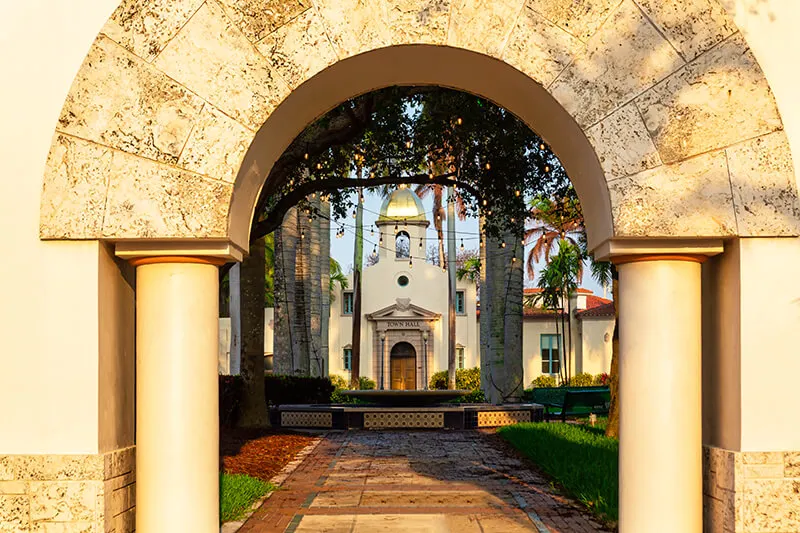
pixel 404 302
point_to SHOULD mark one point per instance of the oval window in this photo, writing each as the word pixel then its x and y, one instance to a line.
pixel 402 281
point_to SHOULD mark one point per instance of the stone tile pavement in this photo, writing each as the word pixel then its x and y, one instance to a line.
pixel 416 481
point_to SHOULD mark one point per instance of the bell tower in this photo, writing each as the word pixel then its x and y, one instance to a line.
pixel 402 225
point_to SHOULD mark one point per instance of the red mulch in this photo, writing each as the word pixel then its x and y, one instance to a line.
pixel 258 453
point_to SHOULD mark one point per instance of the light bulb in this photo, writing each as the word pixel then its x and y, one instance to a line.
pixel 503 244
pixel 513 259
pixel 371 174
pixel 408 144
pixel 488 166
pixel 313 196
pixel 546 168
pixel 430 175
pixel 354 213
pixel 372 232
pixel 410 264
pixel 395 227
pixel 303 234
pixel 462 245
pixel 381 240
pixel 420 242
pixel 459 121
pixel 319 166
pixel 541 146
pixel 305 156
pixel 517 193
pixel 485 203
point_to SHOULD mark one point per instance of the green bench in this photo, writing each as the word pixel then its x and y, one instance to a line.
pixel 564 402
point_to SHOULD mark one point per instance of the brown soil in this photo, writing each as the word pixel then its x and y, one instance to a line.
pixel 258 453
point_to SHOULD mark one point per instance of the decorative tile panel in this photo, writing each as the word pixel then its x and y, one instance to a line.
pixel 403 420
pixel 502 418
pixel 300 419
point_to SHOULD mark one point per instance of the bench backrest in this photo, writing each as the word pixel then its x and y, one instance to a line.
pixel 586 398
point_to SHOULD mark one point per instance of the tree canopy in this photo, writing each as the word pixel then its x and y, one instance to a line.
pixel 416 135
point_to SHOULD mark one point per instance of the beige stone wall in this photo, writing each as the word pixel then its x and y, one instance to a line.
pixel 750 492
pixel 68 493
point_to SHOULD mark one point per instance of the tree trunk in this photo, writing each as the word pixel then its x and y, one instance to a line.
pixel 314 292
pixel 451 293
pixel 358 260
pixel 612 429
pixel 325 284
pixel 512 323
pixel 302 308
pixel 438 215
pixel 235 309
pixel 284 344
pixel 570 370
pixel 253 406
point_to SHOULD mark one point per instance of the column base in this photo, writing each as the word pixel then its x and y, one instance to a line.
pixel 750 492
pixel 68 493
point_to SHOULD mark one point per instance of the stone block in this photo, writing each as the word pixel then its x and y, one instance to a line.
pixel 66 527
pixel 627 56
pixel 762 458
pixel 299 49
pixel 258 18
pixel 582 18
pixel 763 471
pixel 791 464
pixel 771 505
pixel 74 193
pixel 147 200
pixel 763 184
pixel 119 462
pixel 418 21
pixel 216 146
pixel 539 48
pixel 355 26
pixel 120 101
pixel 13 487
pixel 14 513
pixel 692 26
pixel 623 144
pixel 716 101
pixel 214 59
pixel 144 27
pixel 63 501
pixel 492 20
pixel 690 198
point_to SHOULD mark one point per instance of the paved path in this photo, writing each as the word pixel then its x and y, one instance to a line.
pixel 415 481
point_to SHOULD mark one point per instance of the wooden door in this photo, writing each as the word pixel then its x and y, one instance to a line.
pixel 403 373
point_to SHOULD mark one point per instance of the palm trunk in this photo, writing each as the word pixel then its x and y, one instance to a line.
pixel 324 283
pixel 512 333
pixel 438 214
pixel 451 293
pixel 302 310
pixel 358 260
pixel 612 429
pixel 284 344
pixel 565 356
pixel 569 337
pixel 253 407
pixel 491 322
pixel 235 353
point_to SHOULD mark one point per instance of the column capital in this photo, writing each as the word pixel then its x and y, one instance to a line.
pixel 159 259
pixel 625 259
pixel 222 250
pixel 623 250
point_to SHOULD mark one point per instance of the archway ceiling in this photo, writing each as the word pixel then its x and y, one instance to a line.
pixel 172 93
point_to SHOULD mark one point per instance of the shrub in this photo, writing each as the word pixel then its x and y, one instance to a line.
pixel 366 384
pixel 466 379
pixel 237 493
pixel 581 380
pixel 339 382
pixel 602 379
pixel 544 381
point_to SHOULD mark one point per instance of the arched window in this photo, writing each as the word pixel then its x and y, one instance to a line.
pixel 402 246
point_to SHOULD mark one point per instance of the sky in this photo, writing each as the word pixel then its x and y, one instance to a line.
pixel 342 249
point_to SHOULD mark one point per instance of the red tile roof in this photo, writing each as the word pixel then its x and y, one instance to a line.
pixel 595 306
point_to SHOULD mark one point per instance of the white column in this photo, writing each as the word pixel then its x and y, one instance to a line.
pixel 660 456
pixel 177 426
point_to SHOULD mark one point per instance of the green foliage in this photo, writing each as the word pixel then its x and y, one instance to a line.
pixel 581 380
pixel 338 382
pixel 544 381
pixel 466 379
pixel 602 379
pixel 365 383
pixel 237 493
pixel 579 458
pixel 337 277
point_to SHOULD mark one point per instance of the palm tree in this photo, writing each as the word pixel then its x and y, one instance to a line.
pixel 337 277
pixel 470 270
pixel 555 221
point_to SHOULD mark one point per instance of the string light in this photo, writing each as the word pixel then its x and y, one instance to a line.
pixel 488 166
pixel 319 166
pixel 420 242
pixel 410 263
pixel 305 156
pixel 430 175
pixel 462 245
pixel 395 227
pixel 408 144
pixel 313 196
pixel 517 193
pixel 513 259
pixel 303 234
pixel 503 244
pixel 381 240
pixel 485 202
pixel 541 146
pixel 372 174
pixel 354 213
pixel 459 121
pixel 371 232
pixel 546 168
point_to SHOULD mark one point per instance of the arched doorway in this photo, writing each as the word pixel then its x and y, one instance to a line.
pixel 171 162
pixel 403 361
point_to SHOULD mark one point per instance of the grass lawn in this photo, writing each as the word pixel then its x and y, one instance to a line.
pixel 579 458
pixel 237 492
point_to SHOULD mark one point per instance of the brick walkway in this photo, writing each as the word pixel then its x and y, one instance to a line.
pixel 410 481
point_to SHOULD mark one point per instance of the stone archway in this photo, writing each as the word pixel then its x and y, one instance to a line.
pixel 660 114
